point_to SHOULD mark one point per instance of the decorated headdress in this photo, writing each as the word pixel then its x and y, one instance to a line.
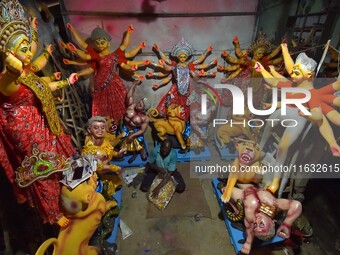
pixel 13 22
pixel 182 47
pixel 261 42
pixel 308 63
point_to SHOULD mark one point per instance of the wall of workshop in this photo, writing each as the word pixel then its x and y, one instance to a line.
pixel 201 23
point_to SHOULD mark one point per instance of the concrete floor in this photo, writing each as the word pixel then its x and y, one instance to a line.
pixel 185 236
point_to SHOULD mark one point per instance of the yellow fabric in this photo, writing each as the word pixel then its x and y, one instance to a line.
pixel 43 92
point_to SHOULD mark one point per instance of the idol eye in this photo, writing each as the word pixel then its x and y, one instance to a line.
pixel 261 225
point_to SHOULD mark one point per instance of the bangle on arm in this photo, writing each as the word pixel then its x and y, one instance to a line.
pixel 46 54
pixel 62 84
pixel 52 77
pixel 34 35
pixel 13 72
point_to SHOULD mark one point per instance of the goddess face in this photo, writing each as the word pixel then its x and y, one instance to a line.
pixel 182 57
pixel 97 129
pixel 102 44
pixel 23 52
pixel 259 53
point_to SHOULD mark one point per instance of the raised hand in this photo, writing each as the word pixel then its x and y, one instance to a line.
pixel 143 45
pixel 130 28
pixel 156 47
pixel 33 22
pixel 49 49
pixel 224 53
pixel 13 65
pixel 258 67
pixel 71 47
pixel 220 68
pixel 69 27
pixel 57 75
pixel 210 48
pixel 73 78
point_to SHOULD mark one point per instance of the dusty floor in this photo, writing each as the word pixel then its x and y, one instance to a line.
pixel 185 236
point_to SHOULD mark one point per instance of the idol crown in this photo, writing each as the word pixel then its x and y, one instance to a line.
pixel 182 47
pixel 12 22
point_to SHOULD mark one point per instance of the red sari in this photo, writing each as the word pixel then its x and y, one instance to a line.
pixel 109 90
pixel 23 125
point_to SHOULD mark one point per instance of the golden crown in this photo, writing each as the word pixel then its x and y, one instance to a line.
pixel 263 42
pixel 182 47
pixel 12 22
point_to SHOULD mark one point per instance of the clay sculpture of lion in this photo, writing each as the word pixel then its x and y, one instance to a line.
pixel 85 208
pixel 173 124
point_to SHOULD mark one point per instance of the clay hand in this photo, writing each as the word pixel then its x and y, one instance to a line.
pixel 33 22
pixel 246 248
pixel 155 86
pixel 62 44
pixel 210 48
pixel 224 53
pixel 214 62
pixel 146 62
pixel 149 74
pixel 220 68
pixel 142 44
pixel 284 46
pixel 13 65
pixel 128 139
pixel 154 193
pixel 57 75
pixel 283 231
pixel 122 152
pixel 201 73
pixel 73 78
pixel 235 39
pixel 69 27
pixel 258 67
pixel 71 47
pixel 66 61
pixel 130 28
pixel 156 47
pixel 49 49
